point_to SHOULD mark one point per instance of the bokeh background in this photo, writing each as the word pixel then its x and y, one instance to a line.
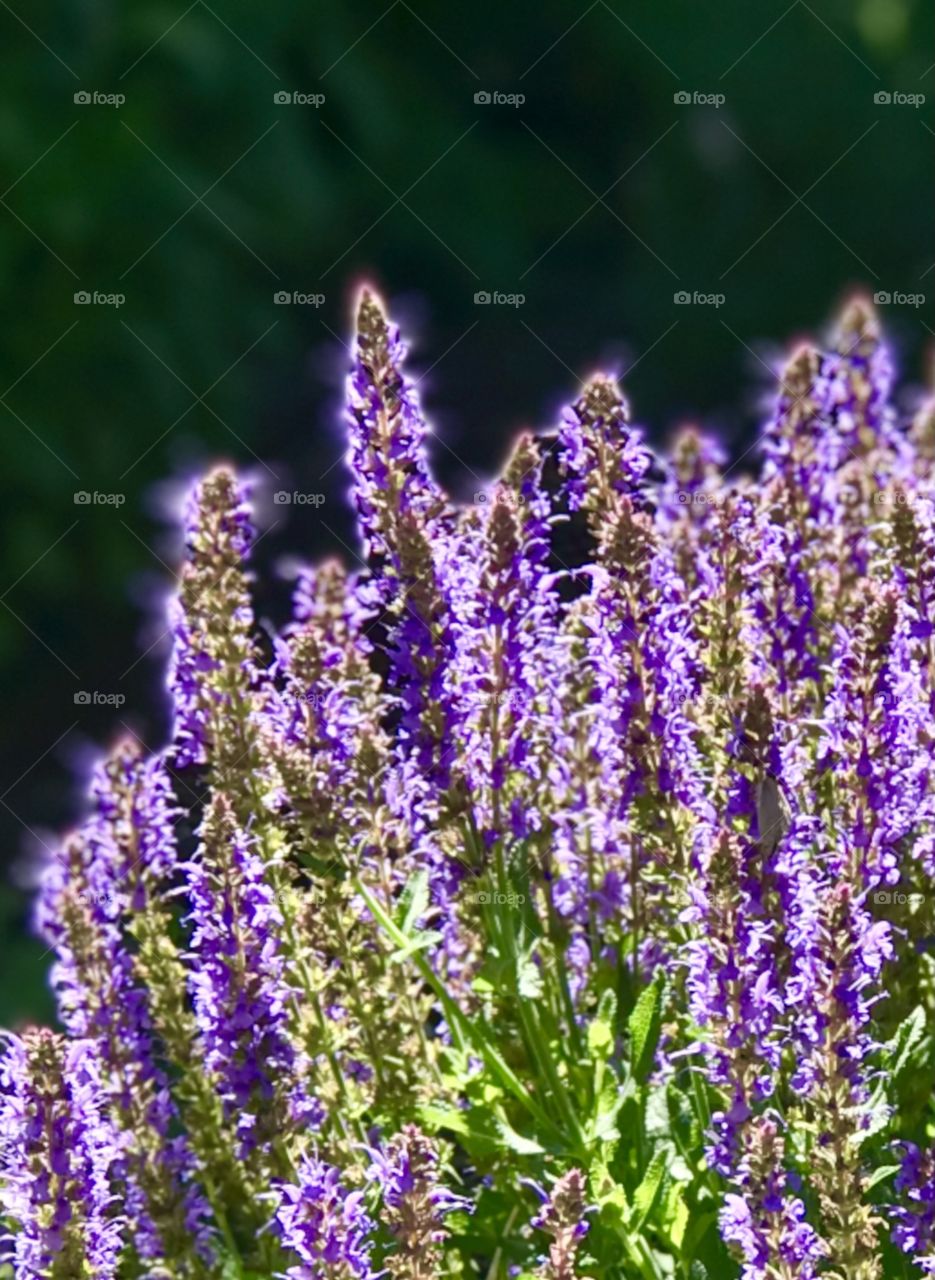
pixel 744 151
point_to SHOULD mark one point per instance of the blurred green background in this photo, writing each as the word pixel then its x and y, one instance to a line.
pixel 783 181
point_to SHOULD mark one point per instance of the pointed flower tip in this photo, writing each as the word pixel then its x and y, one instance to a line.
pixel 858 326
pixel 372 322
pixel 603 396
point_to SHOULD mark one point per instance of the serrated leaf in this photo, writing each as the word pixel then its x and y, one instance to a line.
pixel 648 1192
pixel 644 1026
pixel 675 1215
pixel 909 1036
pixel 516 1142
pixel 603 1126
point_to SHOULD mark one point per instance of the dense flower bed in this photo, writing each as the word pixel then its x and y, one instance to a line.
pixel 553 895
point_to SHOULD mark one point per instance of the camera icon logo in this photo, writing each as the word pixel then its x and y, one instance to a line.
pixel 482 98
pixel 282 97
pixel 480 498
pixel 82 97
pixel 282 298
pixel 282 497
pixel 882 298
pixel 82 698
pixel 82 298
pixel 482 298
pixel 682 298
pixel 883 896
pixel 681 98
pixel 883 97
pixel 83 498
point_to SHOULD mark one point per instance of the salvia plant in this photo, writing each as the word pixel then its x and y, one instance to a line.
pixel 551 897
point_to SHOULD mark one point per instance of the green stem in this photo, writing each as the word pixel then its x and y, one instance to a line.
pixel 456 1019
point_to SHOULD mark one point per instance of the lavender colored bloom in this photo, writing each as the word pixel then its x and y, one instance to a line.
pixel 58 1158
pixel 214 668
pixel 504 618
pixel 415 1202
pixel 387 433
pixel 688 714
pixel 102 999
pixel 914 1217
pixel 563 1216
pixel 601 454
pixel 238 985
pixel 324 1225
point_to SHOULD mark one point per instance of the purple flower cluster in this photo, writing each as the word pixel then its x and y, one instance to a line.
pixel 57 1153
pixel 415 1202
pixel 384 915
pixel 325 1225
pixel 239 991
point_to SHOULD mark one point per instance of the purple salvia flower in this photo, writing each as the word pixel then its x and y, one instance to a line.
pixel 563 1216
pixel 415 1203
pixel 838 964
pixel 766 1225
pixel 600 453
pixel 58 1154
pixel 218 537
pixel 215 675
pixel 387 434
pixel 238 984
pixel 102 998
pixel 324 1225
pixel 322 717
pixel 504 617
pixel 914 1216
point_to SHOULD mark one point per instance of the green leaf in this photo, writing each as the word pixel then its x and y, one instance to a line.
pixel 647 1193
pixel 479 1128
pixel 675 1215
pixel 514 1141
pixel 601 1032
pixel 416 942
pixel 528 979
pixel 644 1027
pixel 880 1175
pixel 909 1037
pixel 413 901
